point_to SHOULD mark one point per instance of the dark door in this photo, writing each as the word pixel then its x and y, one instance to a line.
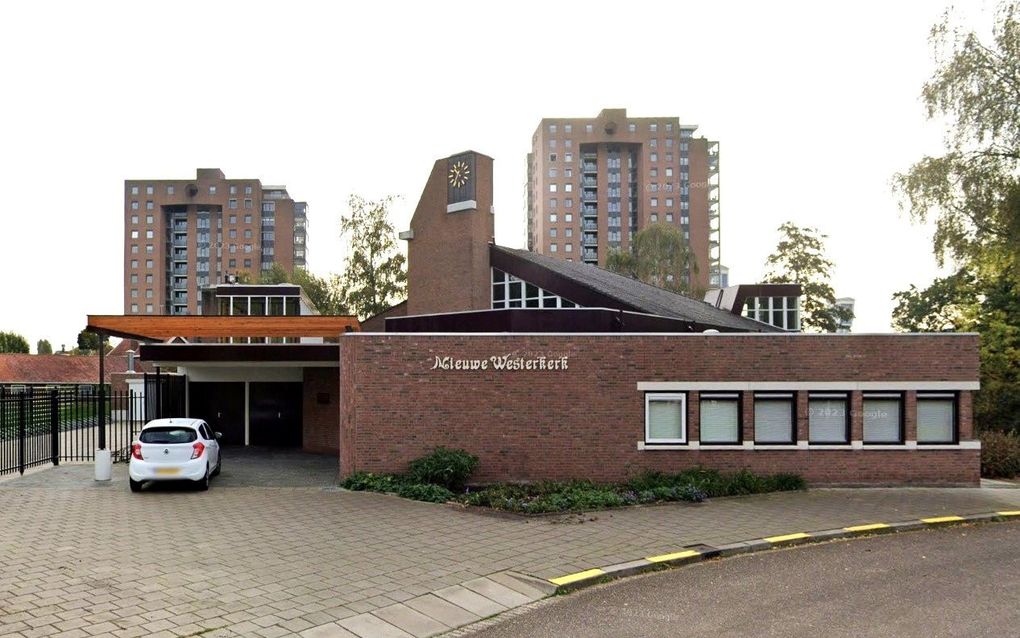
pixel 274 414
pixel 221 405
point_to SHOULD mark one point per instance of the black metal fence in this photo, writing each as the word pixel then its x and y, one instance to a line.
pixel 68 423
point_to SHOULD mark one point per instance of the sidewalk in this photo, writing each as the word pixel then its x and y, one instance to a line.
pixel 286 558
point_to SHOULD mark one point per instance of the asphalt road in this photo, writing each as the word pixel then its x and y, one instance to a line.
pixel 962 581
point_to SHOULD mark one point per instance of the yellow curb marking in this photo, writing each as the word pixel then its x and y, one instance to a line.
pixel 1010 513
pixel 573 578
pixel 865 528
pixel 787 537
pixel 942 519
pixel 687 553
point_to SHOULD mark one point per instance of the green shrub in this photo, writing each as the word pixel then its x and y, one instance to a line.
pixel 443 466
pixel 366 481
pixel 786 483
pixel 425 492
pixel 1000 454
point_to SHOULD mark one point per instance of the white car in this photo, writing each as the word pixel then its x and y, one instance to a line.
pixel 174 450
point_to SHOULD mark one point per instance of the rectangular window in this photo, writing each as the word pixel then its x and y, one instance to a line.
pixel 936 418
pixel 247 203
pixel 247 190
pixel 212 190
pixel 552 248
pixel 149 205
pixel 720 418
pixel 134 219
pixel 134 205
pixel 134 263
pixel 149 190
pixel 774 419
pixel 883 418
pixel 134 190
pixel 148 219
pixel 232 204
pixel 148 263
pixel 134 234
pixel 170 190
pixel 828 418
pixel 588 128
pixel 665 417
pixel 148 308
pixel 149 234
pixel 134 307
pixel 568 157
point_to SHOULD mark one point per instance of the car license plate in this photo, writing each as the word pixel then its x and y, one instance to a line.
pixel 166 471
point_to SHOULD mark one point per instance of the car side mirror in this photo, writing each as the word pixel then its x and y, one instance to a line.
pixel 218 435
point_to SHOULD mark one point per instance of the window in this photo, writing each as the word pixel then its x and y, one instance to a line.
pixel 233 248
pixel 148 263
pixel 247 247
pixel 232 203
pixel 552 217
pixel 669 202
pixel 665 418
pixel 268 207
pixel 134 307
pixel 510 292
pixel 653 127
pixel 212 190
pixel 148 278
pixel 654 157
pixel 149 234
pixel 936 418
pixel 882 415
pixel 774 418
pixel 149 190
pixel 134 205
pixel 552 157
pixel 134 248
pixel 134 292
pixel 247 263
pixel 568 202
pixel 247 203
pixel 247 233
pixel 552 188
pixel 568 247
pixel 134 234
pixel 653 143
pixel 568 232
pixel 232 263
pixel 148 308
pixel 567 128
pixel 654 202
pixel 828 418
pixel 552 248
pixel 232 219
pixel 720 418
pixel 148 293
pixel 568 157
pixel 134 219
pixel 669 171
pixel 170 190
pixel 232 234
pixel 134 263
pixel 552 129
pixel 149 205
pixel 134 190
pixel 148 219
pixel 632 127
pixel 587 128
pixel 669 128
pixel 552 143
pixel 552 171
pixel 553 202
pixel 552 232
pixel 568 188
pixel 568 217
pixel 134 279
pixel 247 190
pixel 233 190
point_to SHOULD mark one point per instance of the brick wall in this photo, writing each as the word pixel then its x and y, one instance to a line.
pixel 586 421
pixel 321 431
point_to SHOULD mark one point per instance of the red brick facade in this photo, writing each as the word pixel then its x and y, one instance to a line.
pixel 320 415
pixel 587 421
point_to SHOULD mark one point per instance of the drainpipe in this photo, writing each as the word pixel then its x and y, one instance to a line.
pixel 104 460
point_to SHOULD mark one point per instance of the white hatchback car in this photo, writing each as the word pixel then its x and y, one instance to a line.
pixel 174 450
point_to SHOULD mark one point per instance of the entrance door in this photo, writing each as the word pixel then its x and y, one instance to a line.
pixel 274 414
pixel 221 405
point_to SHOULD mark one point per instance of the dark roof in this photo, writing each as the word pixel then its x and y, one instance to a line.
pixel 591 286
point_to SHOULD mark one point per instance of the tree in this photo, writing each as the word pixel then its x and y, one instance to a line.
pixel 43 347
pixel 375 275
pixel 800 259
pixel 13 343
pixel 88 342
pixel 972 194
pixel 659 256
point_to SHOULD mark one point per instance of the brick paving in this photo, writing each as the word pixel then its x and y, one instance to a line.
pixel 275 549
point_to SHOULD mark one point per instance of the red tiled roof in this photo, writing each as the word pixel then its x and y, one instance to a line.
pixel 56 368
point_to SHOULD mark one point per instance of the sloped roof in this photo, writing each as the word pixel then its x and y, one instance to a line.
pixel 619 291
pixel 56 368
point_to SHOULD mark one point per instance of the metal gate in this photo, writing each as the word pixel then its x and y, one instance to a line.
pixel 68 424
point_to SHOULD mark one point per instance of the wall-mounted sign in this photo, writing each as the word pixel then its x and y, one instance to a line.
pixel 508 362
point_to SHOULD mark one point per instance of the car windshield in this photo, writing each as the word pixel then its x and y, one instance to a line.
pixel 165 435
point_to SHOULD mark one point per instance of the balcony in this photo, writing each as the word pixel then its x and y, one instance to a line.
pixel 180 227
pixel 590 226
pixel 590 241
pixel 589 182
pixel 180 242
pixel 589 167
pixel 590 255
pixel 180 270
pixel 589 197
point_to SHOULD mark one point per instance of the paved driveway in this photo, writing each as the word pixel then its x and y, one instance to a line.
pixel 275 549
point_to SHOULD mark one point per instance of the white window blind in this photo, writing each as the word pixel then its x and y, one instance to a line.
pixel 720 420
pixel 881 419
pixel 935 419
pixel 664 418
pixel 827 420
pixel 773 420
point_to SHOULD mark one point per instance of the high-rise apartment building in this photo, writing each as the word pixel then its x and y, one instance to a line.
pixel 594 183
pixel 183 235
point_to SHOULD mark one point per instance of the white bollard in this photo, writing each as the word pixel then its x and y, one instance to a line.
pixel 104 465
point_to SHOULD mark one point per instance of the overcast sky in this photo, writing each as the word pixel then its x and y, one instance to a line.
pixel 815 106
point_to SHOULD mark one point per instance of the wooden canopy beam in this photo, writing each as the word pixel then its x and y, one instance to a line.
pixel 162 327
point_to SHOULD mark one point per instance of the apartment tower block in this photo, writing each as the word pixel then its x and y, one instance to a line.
pixel 181 236
pixel 594 183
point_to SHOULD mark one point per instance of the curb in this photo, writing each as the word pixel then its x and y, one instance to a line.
pixel 699 553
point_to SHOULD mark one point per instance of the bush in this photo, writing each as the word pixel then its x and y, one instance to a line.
pixel 1000 454
pixel 449 468
pixel 425 492
pixel 366 481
